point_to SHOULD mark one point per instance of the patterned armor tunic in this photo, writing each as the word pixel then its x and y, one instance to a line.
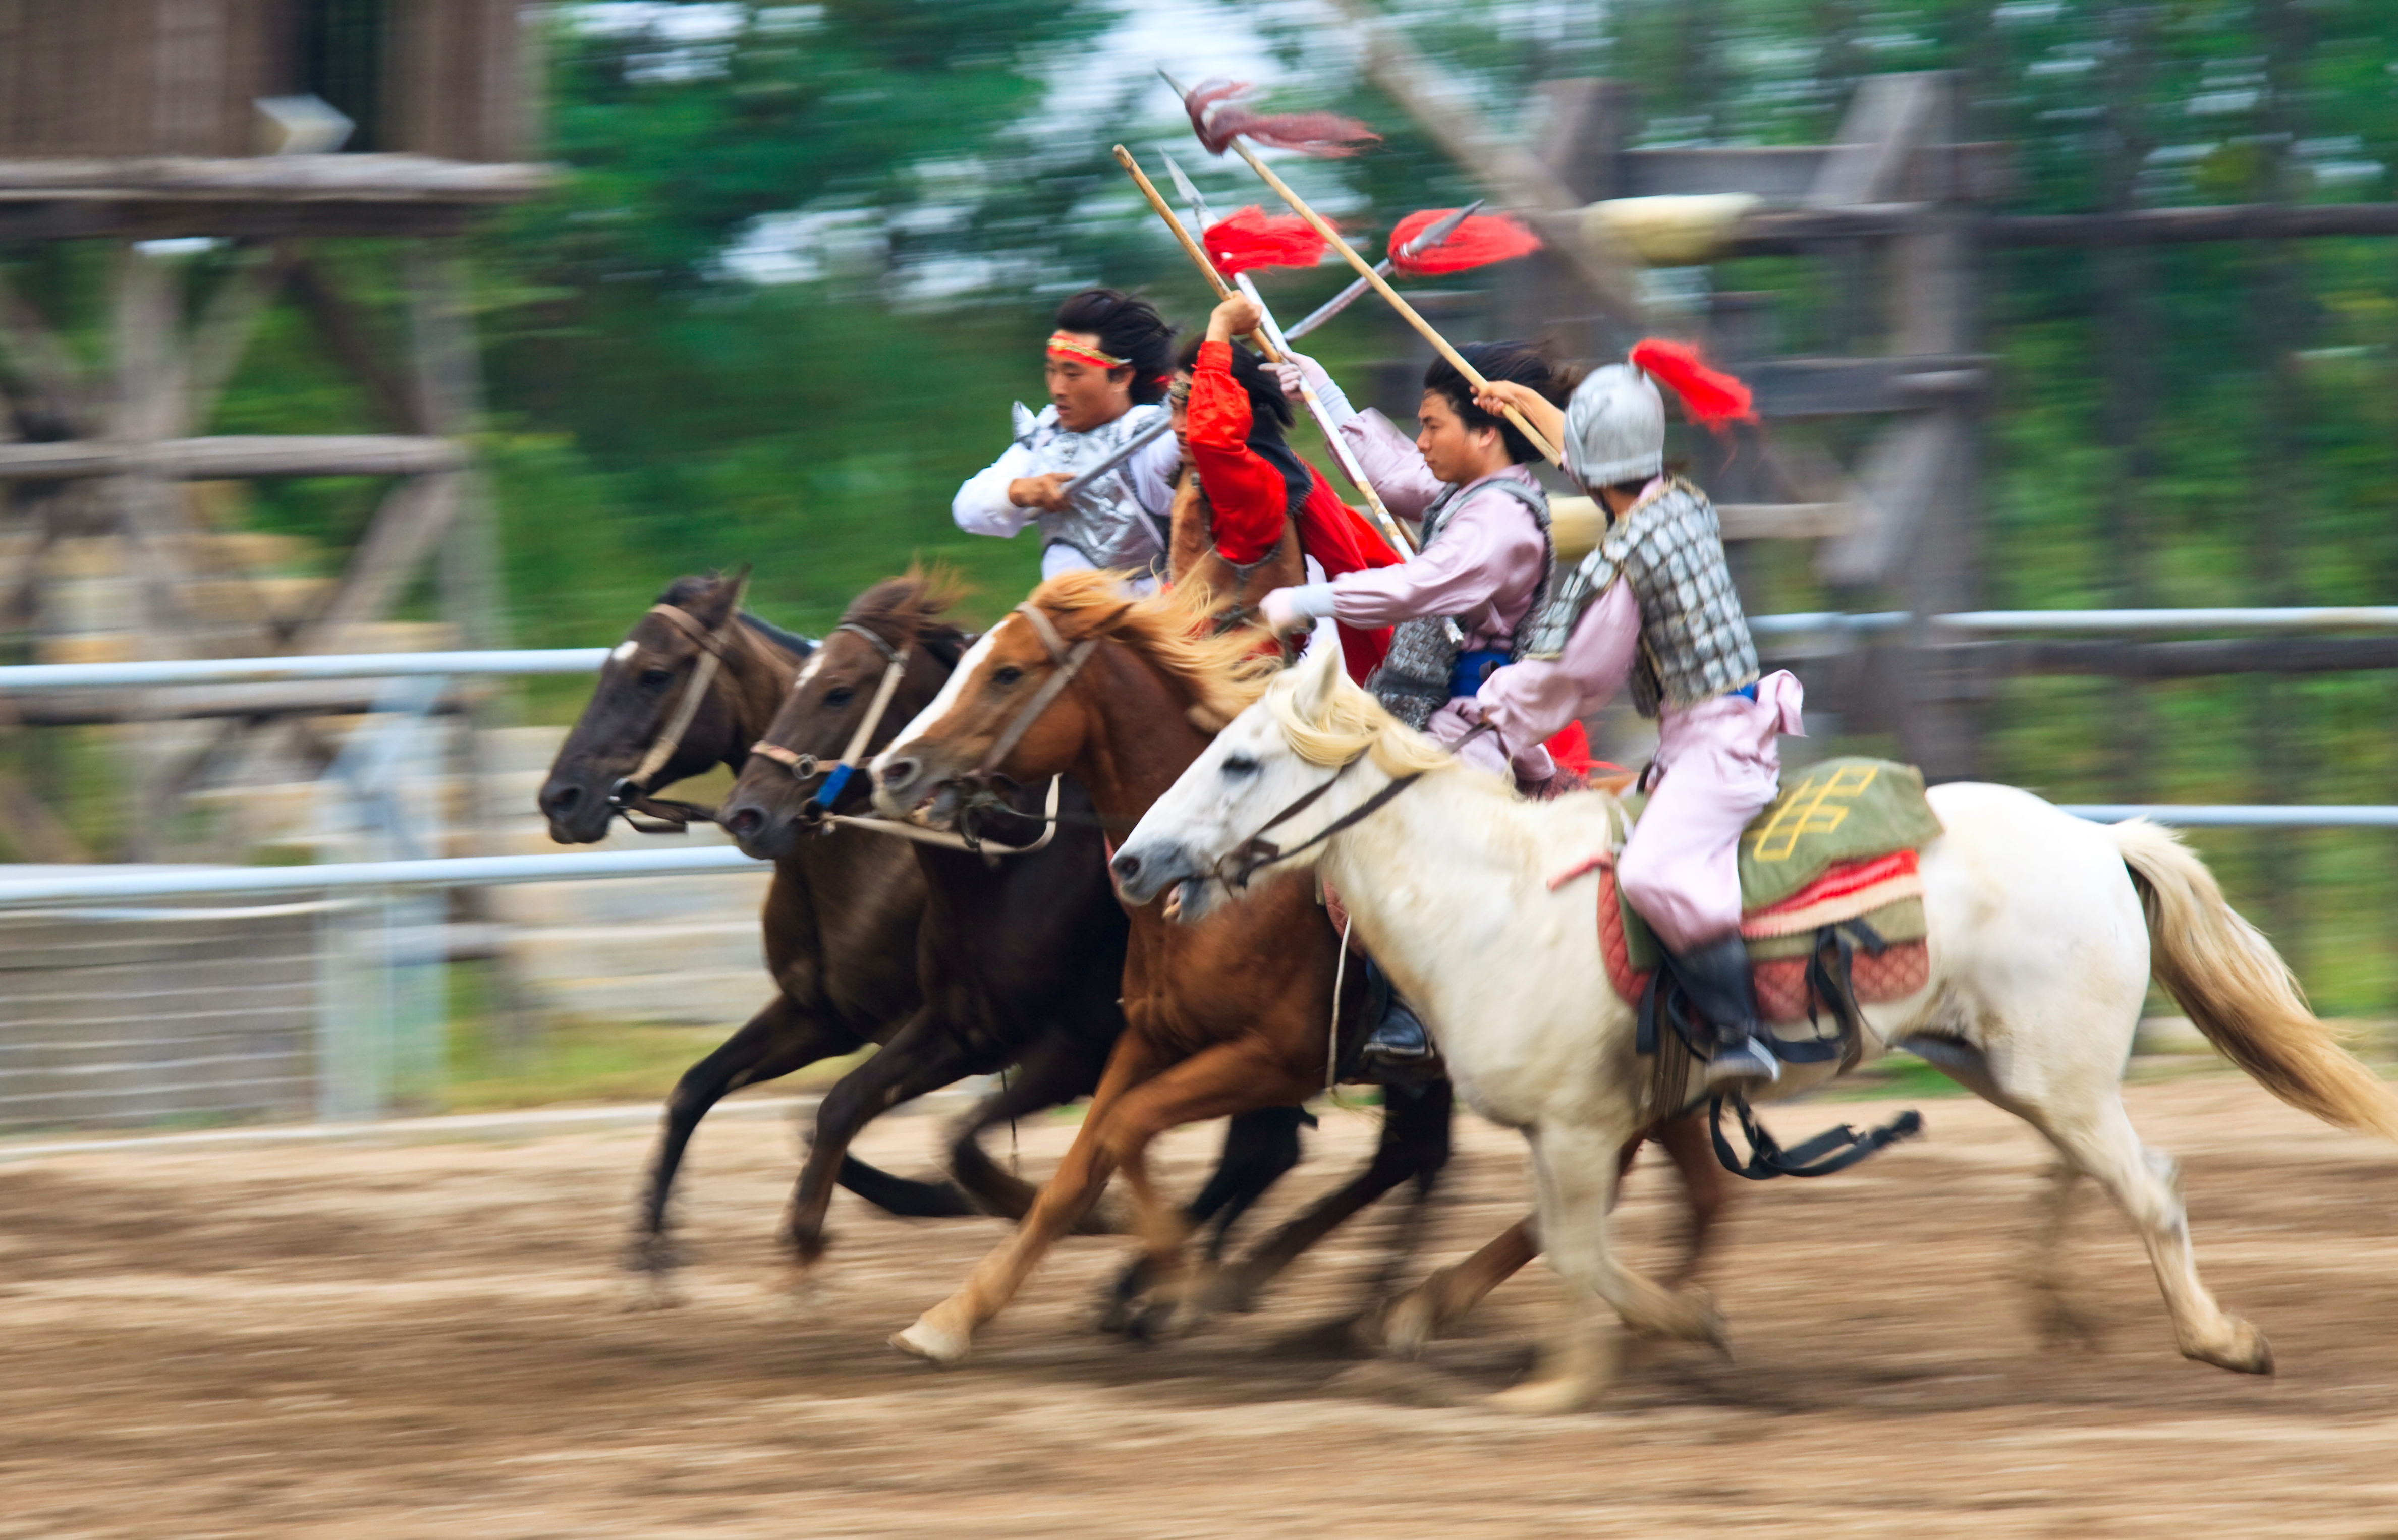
pixel 1415 679
pixel 1694 640
pixel 1107 524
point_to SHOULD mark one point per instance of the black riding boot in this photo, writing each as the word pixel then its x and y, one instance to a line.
pixel 1398 1048
pixel 1716 978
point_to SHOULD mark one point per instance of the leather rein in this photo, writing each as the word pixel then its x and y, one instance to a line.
pixel 1256 852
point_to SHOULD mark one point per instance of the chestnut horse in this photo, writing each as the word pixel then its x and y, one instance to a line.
pixel 1221 1017
pixel 1020 951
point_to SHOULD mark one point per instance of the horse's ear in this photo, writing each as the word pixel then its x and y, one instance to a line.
pixel 1319 674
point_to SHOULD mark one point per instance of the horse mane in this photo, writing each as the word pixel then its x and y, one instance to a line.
pixel 685 592
pixel 1353 723
pixel 1222 673
pixel 908 609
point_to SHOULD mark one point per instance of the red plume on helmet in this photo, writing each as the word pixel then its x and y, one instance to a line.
pixel 1253 238
pixel 1218 117
pixel 1709 396
pixel 1479 241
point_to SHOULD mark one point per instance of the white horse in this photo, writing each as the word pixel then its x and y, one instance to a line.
pixel 2044 932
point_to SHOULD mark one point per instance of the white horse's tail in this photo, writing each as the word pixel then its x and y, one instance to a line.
pixel 2240 993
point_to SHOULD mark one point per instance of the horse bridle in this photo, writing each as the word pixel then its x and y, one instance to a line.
pixel 986 787
pixel 1256 852
pixel 805 767
pixel 630 794
pixel 819 807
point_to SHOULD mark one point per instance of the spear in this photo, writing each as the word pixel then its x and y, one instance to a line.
pixel 1232 141
pixel 1277 348
pixel 1390 527
pixel 1437 233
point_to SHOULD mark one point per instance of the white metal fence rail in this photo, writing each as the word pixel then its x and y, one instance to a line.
pixel 328 997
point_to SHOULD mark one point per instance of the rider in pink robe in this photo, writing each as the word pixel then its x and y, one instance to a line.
pixel 1718 766
pixel 1653 607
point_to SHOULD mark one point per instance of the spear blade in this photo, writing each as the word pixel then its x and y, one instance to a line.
pixel 1435 235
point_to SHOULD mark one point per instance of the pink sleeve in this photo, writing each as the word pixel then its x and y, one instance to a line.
pixel 1404 483
pixel 1490 537
pixel 1531 702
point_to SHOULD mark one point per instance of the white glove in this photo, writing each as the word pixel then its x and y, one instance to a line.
pixel 1292 379
pixel 1289 610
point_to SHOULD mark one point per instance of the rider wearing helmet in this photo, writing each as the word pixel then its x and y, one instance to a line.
pixel 1653 606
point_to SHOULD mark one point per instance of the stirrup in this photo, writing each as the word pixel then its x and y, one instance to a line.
pixel 1746 1063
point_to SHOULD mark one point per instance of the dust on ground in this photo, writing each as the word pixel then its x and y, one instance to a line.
pixel 427 1341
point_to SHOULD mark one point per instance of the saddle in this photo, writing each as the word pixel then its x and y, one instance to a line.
pixel 1831 897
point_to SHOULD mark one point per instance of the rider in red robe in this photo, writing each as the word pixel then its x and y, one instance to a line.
pixel 1255 480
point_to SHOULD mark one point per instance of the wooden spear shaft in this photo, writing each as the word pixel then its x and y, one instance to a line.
pixel 1392 532
pixel 1407 312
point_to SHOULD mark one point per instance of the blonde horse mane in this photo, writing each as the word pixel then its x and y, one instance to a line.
pixel 1351 723
pixel 1223 673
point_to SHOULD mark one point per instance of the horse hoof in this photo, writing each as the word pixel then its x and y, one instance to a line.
pixel 2247 1353
pixel 925 1341
pixel 1407 1326
pixel 1544 1397
pixel 645 1292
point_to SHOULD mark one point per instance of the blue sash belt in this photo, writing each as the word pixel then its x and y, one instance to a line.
pixel 1466 675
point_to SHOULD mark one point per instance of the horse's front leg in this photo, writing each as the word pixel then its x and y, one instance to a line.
pixel 944 1334
pixel 1219 1080
pixel 778 1039
pixel 1575 1171
pixel 922 1056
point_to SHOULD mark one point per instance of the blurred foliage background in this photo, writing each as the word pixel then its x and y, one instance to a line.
pixel 803 254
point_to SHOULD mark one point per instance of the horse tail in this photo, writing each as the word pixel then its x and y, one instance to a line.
pixel 2240 993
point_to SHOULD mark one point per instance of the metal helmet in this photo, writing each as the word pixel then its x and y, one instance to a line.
pixel 1615 427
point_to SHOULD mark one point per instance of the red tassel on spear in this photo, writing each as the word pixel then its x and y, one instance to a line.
pixel 1253 238
pixel 1217 116
pixel 1478 240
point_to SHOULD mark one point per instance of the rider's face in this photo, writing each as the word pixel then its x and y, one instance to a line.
pixel 1178 402
pixel 1454 452
pixel 1085 394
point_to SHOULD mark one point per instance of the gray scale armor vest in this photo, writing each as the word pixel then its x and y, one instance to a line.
pixel 1107 524
pixel 1413 681
pixel 1694 639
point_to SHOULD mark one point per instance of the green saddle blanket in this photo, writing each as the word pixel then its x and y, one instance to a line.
pixel 1833 811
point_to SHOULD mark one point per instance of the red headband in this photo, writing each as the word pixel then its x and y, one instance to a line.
pixel 1066 345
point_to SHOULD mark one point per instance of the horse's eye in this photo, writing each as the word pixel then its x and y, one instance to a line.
pixel 653 678
pixel 1240 764
pixel 840 695
pixel 1007 676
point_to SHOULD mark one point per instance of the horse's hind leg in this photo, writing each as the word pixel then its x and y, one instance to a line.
pixel 1054 1070
pixel 2047 1278
pixel 2145 1185
pixel 778 1039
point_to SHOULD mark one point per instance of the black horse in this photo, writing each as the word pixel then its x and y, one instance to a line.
pixel 1021 948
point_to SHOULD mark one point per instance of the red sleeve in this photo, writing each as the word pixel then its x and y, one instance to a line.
pixel 1246 494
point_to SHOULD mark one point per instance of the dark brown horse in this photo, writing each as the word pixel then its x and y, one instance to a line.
pixel 840 916
pixel 1222 1016
pixel 1021 949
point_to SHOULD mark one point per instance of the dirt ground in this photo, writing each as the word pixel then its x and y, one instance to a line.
pixel 425 1340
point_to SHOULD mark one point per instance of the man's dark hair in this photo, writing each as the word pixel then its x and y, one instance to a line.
pixel 1268 409
pixel 1520 362
pixel 1130 328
